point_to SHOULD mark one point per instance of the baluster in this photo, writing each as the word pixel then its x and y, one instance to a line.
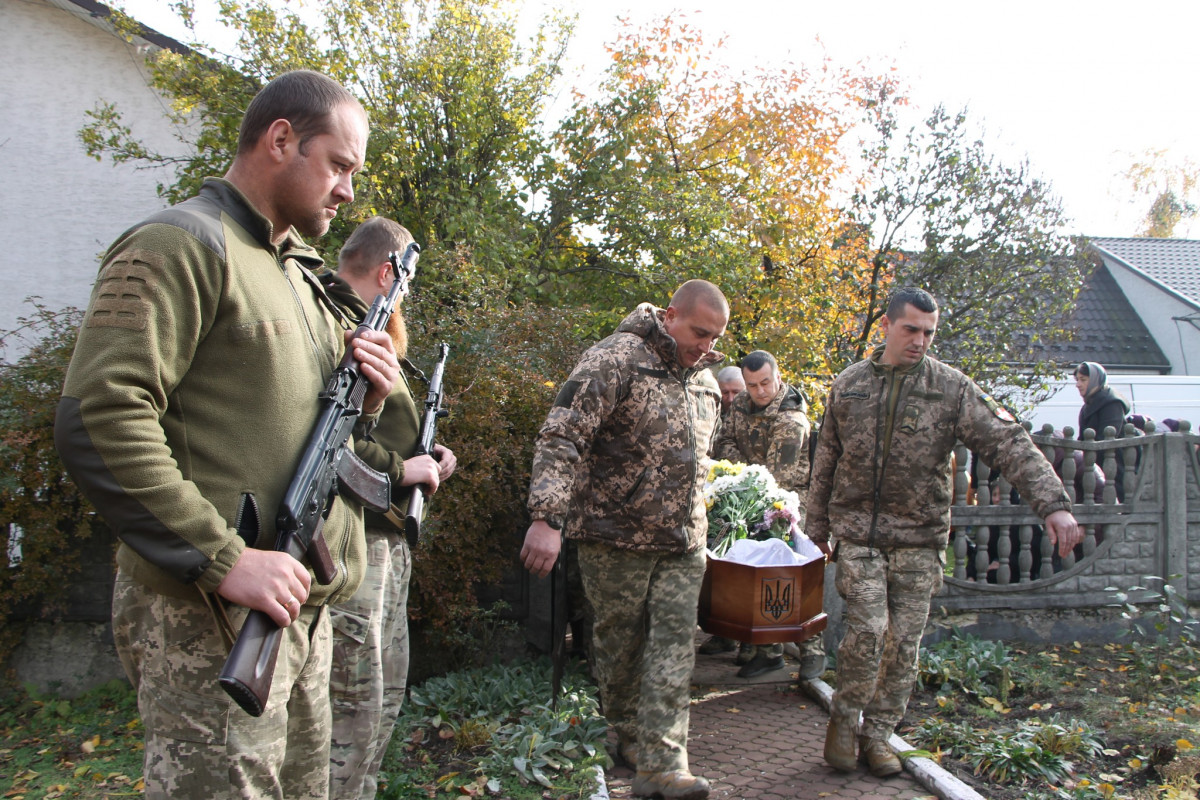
pixel 1089 539
pixel 960 553
pixel 1129 457
pixel 1109 466
pixel 1069 468
pixel 983 497
pixel 961 481
pixel 1089 478
pixel 1047 568
pixel 1003 554
pixel 1025 556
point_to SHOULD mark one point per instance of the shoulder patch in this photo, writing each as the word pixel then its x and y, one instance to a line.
pixel 998 410
pixel 121 291
pixel 567 394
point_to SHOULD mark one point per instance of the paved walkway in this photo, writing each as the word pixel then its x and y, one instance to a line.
pixel 761 739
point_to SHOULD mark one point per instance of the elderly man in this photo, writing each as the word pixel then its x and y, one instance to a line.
pixel 621 462
pixel 768 425
pixel 731 384
pixel 881 490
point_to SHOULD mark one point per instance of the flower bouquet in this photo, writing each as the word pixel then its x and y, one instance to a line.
pixel 744 502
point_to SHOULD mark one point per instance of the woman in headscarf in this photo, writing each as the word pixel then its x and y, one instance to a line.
pixel 1102 407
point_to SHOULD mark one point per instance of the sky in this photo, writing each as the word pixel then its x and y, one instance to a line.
pixel 1080 89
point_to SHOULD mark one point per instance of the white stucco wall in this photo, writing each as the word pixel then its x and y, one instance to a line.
pixel 62 208
pixel 1178 339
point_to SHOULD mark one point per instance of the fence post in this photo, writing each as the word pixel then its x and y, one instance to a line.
pixel 1175 501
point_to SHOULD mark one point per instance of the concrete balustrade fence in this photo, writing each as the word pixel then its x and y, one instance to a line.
pixel 1143 524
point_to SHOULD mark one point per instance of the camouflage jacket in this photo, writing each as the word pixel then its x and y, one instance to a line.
pixel 884 479
pixel 775 437
pixel 623 453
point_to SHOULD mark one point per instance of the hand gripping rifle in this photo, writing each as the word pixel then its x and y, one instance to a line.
pixel 327 466
pixel 433 411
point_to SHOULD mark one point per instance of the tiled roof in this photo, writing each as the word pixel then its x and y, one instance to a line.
pixel 1175 263
pixel 1106 329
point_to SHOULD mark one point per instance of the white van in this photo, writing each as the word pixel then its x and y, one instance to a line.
pixel 1156 396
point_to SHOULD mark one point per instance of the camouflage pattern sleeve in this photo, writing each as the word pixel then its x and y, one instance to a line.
pixel 725 443
pixel 990 430
pixel 581 407
pixel 824 466
pixel 787 456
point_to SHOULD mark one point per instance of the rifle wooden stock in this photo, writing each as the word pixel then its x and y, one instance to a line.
pixel 326 463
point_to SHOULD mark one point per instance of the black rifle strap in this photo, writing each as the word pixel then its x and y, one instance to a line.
pixel 327 301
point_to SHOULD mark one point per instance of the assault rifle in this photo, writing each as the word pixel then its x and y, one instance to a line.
pixel 433 410
pixel 327 466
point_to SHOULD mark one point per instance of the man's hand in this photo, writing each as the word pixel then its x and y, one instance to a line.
pixel 447 461
pixel 1063 531
pixel 376 356
pixel 422 469
pixel 542 544
pixel 269 581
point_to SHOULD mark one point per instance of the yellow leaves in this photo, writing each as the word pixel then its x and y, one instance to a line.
pixel 1041 706
pixel 90 745
pixel 996 705
pixel 1183 744
pixel 943 701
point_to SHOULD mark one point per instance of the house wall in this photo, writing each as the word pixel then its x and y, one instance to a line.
pixel 63 207
pixel 1179 340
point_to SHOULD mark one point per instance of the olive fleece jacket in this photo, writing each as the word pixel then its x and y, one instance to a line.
pixel 193 390
pixel 625 448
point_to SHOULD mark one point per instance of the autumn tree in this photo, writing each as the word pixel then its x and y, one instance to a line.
pixel 454 100
pixel 936 210
pixel 681 168
pixel 1171 184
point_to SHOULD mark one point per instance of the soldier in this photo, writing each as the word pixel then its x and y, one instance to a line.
pixel 881 487
pixel 620 461
pixel 768 425
pixel 370 630
pixel 187 405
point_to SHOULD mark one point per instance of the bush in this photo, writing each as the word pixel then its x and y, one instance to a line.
pixel 43 516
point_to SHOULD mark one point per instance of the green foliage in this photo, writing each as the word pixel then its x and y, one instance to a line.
pixel 969 664
pixel 506 363
pixel 1036 750
pixel 1161 621
pixel 506 709
pixel 86 747
pixel 43 516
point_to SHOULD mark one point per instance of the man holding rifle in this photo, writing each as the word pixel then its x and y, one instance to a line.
pixel 370 630
pixel 190 397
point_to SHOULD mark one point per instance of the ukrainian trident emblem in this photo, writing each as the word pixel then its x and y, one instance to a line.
pixel 777 597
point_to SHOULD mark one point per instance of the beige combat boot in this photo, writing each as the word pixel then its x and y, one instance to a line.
pixel 677 784
pixel 881 761
pixel 839 744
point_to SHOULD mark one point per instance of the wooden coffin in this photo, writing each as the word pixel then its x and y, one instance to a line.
pixel 763 605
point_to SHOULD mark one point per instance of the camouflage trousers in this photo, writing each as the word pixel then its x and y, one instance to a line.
pixel 199 743
pixel 370 666
pixel 643 644
pixel 887 593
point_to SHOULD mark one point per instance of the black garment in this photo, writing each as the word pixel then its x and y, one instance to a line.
pixel 1102 409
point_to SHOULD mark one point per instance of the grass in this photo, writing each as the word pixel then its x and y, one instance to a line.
pixel 1082 721
pixel 1057 722
pixel 87 747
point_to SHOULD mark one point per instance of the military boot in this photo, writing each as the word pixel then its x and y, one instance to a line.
pixel 677 784
pixel 881 761
pixel 839 744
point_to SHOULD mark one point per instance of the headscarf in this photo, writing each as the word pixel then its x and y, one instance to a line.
pixel 1097 377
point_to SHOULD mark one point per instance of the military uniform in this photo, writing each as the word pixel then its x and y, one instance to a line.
pixel 187 404
pixel 370 630
pixel 881 488
pixel 621 458
pixel 777 438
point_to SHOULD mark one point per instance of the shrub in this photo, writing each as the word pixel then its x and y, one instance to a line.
pixel 43 516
